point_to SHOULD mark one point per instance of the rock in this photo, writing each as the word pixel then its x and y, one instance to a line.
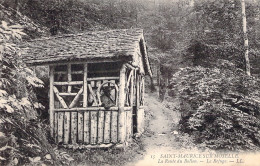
pixel 175 132
pixel 48 156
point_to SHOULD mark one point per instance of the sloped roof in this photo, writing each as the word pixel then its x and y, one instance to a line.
pixel 119 44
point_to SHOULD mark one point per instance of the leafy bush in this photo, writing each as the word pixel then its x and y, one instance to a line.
pixel 220 106
pixel 22 136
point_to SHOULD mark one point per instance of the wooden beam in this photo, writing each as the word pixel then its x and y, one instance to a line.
pixel 60 72
pixel 129 78
pixel 63 103
pixel 69 83
pixel 121 104
pixel 64 72
pixel 69 77
pixel 88 109
pixel 77 72
pixel 85 86
pixel 103 78
pixel 76 99
pixel 130 66
pixel 93 94
pixel 43 62
pixel 67 94
pixel 51 102
pixel 104 71
pixel 128 100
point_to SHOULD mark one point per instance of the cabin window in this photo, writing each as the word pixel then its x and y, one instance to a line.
pixel 102 85
pixel 108 69
pixel 103 79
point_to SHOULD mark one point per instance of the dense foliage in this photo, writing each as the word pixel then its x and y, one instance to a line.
pixel 23 137
pixel 18 120
pixel 70 16
pixel 220 106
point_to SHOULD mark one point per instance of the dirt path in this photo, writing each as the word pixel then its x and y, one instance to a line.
pixel 161 135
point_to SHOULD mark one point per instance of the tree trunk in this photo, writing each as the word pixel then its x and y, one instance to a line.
pixel 247 63
pixel 152 86
pixel 162 85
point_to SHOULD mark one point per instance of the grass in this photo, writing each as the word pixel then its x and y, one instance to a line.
pixel 110 156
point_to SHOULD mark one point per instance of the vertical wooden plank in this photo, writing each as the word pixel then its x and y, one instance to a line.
pixel 107 127
pixel 66 127
pixel 51 102
pixel 132 89
pixel 74 119
pixel 86 127
pixel 56 126
pixel 137 101
pixel 98 83
pixel 121 104
pixel 69 77
pixel 114 126
pixel 101 127
pixel 60 126
pixel 85 86
pixel 130 124
pixel 140 120
pixel 93 92
pixel 126 124
pixel 80 127
pixel 93 138
pixel 92 83
pixel 143 90
pixel 135 87
pixel 138 92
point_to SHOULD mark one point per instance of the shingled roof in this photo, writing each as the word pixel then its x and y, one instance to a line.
pixel 117 44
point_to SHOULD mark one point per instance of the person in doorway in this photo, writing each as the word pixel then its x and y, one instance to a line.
pixel 106 98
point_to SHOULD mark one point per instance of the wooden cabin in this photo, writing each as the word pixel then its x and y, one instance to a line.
pixel 96 95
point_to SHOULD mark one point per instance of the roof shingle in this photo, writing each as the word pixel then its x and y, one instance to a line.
pixel 112 44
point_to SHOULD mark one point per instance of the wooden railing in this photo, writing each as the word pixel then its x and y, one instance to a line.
pixel 89 126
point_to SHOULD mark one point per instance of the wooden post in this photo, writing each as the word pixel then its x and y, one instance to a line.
pixel 86 123
pixel 143 88
pixel 132 89
pixel 51 100
pixel 85 86
pixel 121 104
pixel 137 91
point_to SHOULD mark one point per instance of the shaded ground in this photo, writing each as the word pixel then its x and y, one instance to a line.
pixel 161 136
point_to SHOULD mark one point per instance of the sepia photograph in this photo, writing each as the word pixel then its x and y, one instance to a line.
pixel 130 82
